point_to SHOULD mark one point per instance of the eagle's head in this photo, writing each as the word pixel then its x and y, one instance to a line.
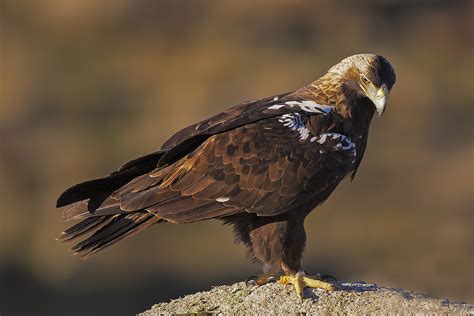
pixel 366 76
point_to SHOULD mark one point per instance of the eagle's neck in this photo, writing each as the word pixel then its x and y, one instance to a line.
pixel 353 113
pixel 357 127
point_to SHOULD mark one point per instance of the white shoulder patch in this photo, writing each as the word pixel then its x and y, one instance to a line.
pixel 307 106
pixel 276 106
pixel 294 121
pixel 222 199
pixel 344 143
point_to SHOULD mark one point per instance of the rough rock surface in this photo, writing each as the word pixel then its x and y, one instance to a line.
pixel 274 298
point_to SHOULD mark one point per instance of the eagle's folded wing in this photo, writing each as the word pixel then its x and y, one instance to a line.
pixel 262 168
pixel 260 160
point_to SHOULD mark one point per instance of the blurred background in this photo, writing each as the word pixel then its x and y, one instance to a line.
pixel 88 85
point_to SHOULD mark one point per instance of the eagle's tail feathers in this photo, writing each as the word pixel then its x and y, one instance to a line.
pixel 84 227
pixel 80 210
pixel 98 190
pixel 116 228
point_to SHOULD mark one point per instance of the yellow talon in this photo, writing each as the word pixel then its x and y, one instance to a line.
pixel 300 282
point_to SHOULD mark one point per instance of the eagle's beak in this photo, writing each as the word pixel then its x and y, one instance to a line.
pixel 380 99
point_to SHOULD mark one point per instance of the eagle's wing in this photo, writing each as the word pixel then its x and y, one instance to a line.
pixel 241 114
pixel 266 160
pixel 180 144
pixel 266 168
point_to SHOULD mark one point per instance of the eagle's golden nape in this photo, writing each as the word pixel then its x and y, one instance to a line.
pixel 261 166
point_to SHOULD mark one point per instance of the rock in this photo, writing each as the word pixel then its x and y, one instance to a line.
pixel 274 298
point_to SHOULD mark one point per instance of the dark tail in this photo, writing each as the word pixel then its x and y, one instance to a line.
pixel 106 231
pixel 108 224
pixel 99 189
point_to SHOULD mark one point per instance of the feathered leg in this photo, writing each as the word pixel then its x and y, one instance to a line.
pixel 278 244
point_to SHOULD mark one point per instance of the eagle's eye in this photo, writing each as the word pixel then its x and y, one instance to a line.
pixel 364 79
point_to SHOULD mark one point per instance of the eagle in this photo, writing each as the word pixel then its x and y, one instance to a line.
pixel 261 166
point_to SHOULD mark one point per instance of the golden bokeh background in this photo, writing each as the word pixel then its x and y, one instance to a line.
pixel 88 85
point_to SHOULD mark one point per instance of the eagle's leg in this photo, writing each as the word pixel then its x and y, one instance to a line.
pixel 277 243
pixel 279 246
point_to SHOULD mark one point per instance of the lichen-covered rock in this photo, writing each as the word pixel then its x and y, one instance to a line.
pixel 274 298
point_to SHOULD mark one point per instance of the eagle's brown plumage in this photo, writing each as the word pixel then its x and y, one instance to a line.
pixel 260 166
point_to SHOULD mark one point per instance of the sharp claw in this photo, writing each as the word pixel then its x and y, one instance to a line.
pixel 327 276
pixel 336 287
pixel 251 280
pixel 322 277
pixel 272 279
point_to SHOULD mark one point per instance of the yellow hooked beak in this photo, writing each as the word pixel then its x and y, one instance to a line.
pixel 379 97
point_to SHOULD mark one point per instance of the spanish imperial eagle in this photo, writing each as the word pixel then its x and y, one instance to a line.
pixel 261 166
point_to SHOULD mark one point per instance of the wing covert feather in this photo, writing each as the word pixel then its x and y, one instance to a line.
pixel 232 172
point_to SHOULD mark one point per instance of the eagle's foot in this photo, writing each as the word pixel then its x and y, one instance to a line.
pixel 300 282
